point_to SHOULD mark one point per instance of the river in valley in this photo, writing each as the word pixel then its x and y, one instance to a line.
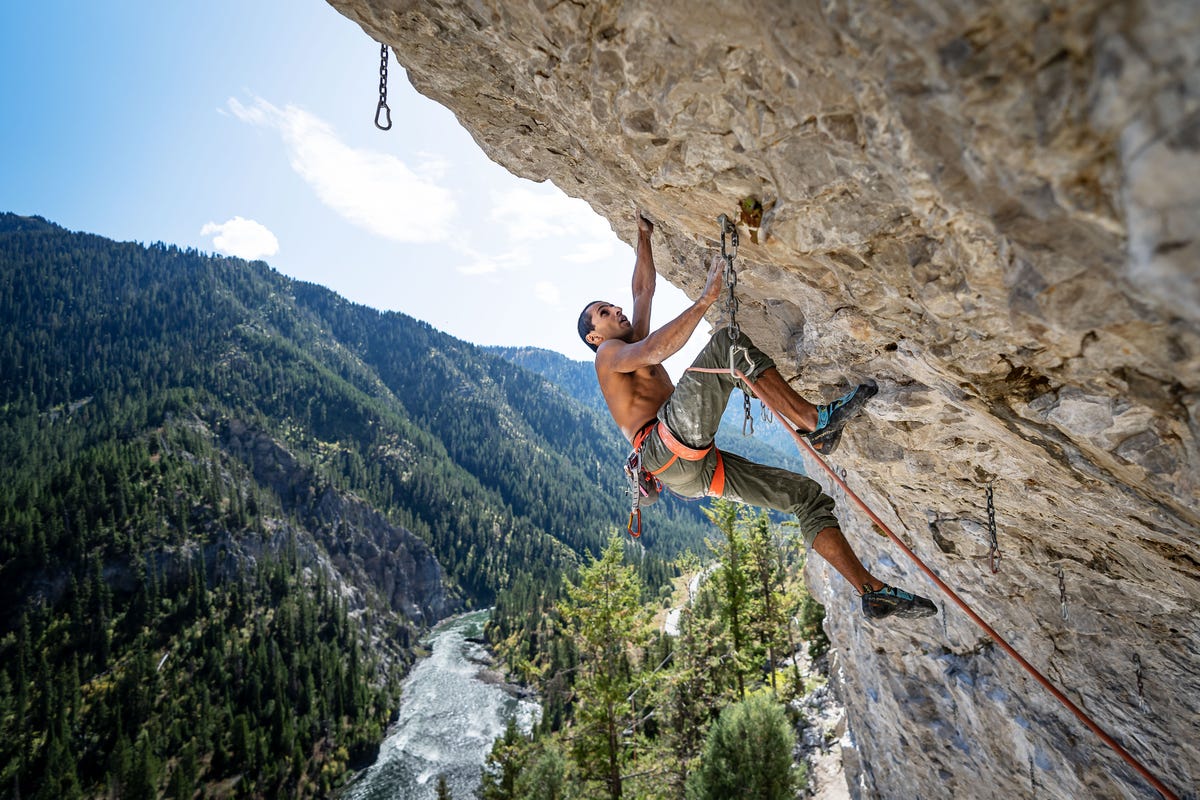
pixel 449 716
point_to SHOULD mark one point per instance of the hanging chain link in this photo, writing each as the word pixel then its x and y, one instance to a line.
pixel 729 228
pixel 382 108
pixel 993 544
pixel 1062 592
pixel 731 301
pixel 1143 705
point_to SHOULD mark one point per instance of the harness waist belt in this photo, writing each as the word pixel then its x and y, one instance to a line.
pixel 680 450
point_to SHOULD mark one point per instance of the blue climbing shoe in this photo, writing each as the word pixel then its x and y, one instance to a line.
pixel 892 602
pixel 835 414
pixel 825 442
pixel 832 418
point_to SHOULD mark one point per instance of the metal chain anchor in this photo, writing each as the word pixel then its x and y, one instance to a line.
pixel 1062 592
pixel 993 544
pixel 729 228
pixel 731 301
pixel 1137 670
pixel 382 108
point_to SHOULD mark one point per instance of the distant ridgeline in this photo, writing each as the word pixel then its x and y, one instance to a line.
pixel 230 502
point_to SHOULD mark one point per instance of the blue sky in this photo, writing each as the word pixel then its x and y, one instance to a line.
pixel 247 128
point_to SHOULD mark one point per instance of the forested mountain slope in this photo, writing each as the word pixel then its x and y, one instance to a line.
pixel 229 501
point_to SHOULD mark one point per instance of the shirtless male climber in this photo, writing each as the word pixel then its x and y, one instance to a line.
pixel 672 427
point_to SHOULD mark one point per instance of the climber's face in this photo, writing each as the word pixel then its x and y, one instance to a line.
pixel 608 322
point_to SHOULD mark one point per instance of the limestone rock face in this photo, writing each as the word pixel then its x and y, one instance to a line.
pixel 992 209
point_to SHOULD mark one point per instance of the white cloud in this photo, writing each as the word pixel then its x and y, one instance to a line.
pixel 484 263
pixel 432 165
pixel 375 191
pixel 242 237
pixel 548 293
pixel 529 214
pixel 592 252
pixel 480 267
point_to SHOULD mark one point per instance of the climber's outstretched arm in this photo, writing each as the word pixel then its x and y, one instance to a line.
pixel 617 355
pixel 643 280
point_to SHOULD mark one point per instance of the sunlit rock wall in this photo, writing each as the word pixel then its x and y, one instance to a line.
pixel 992 209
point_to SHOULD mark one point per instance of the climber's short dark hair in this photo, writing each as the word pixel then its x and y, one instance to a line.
pixel 585 324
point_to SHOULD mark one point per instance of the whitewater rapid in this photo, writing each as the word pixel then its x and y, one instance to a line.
pixel 448 719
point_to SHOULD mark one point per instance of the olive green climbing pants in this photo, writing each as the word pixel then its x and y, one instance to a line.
pixel 693 413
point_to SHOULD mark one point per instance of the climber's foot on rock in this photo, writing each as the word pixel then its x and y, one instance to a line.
pixel 833 417
pixel 892 602
pixel 826 441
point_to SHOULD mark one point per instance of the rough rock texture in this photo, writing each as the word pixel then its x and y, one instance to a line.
pixel 992 208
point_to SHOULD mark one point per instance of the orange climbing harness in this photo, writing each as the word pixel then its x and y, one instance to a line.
pixel 958 601
pixel 633 468
pixel 716 487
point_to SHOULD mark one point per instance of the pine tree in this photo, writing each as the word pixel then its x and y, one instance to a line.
pixel 498 781
pixel 765 571
pixel 142 780
pixel 544 776
pixel 812 618
pixel 694 686
pixel 61 780
pixel 731 577
pixel 603 613
pixel 748 754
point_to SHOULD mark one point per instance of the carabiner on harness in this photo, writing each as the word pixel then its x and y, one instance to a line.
pixel 633 469
pixel 643 487
pixel 635 522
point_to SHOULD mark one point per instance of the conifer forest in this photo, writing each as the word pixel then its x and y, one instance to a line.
pixel 232 503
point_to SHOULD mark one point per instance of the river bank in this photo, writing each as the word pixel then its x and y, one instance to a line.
pixel 453 705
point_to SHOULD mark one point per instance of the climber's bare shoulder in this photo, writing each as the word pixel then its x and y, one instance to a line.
pixel 634 391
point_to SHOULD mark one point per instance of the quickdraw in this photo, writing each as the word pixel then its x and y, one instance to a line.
pixel 731 301
pixel 729 229
pixel 641 485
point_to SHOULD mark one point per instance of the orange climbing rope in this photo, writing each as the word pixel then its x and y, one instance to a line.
pixel 958 601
